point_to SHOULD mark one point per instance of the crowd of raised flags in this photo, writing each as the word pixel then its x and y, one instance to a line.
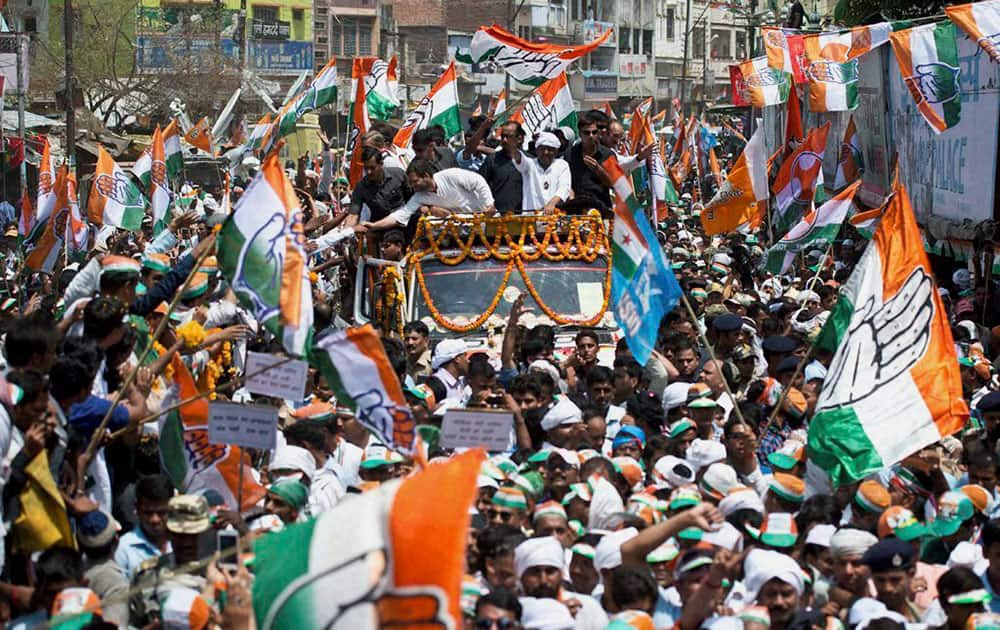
pixel 797 425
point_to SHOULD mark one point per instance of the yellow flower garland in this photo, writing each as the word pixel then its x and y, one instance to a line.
pixel 192 334
pixel 586 238
pixel 389 303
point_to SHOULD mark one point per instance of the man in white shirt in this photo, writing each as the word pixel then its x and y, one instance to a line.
pixel 547 181
pixel 453 190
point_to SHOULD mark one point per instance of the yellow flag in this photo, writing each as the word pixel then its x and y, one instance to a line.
pixel 43 522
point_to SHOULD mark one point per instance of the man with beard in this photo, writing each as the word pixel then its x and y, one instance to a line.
pixel 850 575
pixel 538 563
pixel 778 583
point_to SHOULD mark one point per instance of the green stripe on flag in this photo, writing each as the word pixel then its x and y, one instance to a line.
pixel 839 445
pixel 836 325
pixel 282 562
pixel 320 359
pixel 172 450
pixel 622 262
pixel 946 46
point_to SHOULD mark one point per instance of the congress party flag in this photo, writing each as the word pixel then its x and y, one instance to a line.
pixel 736 200
pixel 373 74
pixel 528 62
pixel 846 44
pixel 261 255
pixel 355 365
pixel 321 91
pixel 643 288
pixel 500 106
pixel 928 60
pixel 438 107
pixel 392 557
pixel 65 230
pixel 893 386
pixel 191 461
pixel 850 162
pixel 833 85
pixel 640 133
pixel 359 127
pixel 764 85
pixel 200 136
pixel 172 148
pixel 818 227
pixel 866 221
pixel 158 189
pixel 981 22
pixel 784 50
pixel 550 106
pixel 33 223
pixel 796 184
pixel 114 197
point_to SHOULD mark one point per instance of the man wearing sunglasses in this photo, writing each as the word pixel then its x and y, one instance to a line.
pixel 498 610
pixel 585 158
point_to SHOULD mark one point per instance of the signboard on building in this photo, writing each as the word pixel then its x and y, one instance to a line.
pixel 600 87
pixel 267 29
pixel 589 30
pixel 634 66
pixel 164 53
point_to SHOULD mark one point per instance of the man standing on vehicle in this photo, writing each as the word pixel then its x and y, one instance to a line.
pixel 502 174
pixel 440 193
pixel 381 190
pixel 547 181
pixel 585 159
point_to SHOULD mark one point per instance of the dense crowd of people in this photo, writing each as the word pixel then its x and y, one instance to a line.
pixel 672 494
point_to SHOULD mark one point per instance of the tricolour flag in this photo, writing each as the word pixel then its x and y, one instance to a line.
pixel 438 107
pixel 500 106
pixel 981 22
pixel 174 153
pixel 373 73
pixel 764 84
pixel 65 231
pixel 850 163
pixel 846 44
pixel 528 62
pixel 321 91
pixel 200 136
pixel 114 197
pixel 928 60
pixel 191 461
pixel 784 50
pixel 389 558
pixel 640 134
pixel 893 386
pixel 643 288
pixel 359 127
pixel 261 255
pixel 478 111
pixel 256 138
pixel 355 365
pixel 736 200
pixel 866 221
pixel 796 184
pixel 818 227
pixel 608 111
pixel 31 226
pixel 158 189
pixel 833 85
pixel 550 106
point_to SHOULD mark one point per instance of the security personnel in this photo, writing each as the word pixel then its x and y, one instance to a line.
pixel 187 520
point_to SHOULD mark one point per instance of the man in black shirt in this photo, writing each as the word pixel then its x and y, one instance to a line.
pixel 425 148
pixel 585 159
pixel 500 172
pixel 383 189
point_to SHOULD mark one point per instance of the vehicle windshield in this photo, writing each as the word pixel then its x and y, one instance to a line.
pixel 461 293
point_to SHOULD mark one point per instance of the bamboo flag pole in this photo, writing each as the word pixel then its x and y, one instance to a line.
pixel 97 437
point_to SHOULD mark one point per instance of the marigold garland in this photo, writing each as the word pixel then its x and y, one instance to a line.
pixel 192 334
pixel 389 303
pixel 586 238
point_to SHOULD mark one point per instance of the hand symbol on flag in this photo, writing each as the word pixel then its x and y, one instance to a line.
pixel 933 83
pixel 883 342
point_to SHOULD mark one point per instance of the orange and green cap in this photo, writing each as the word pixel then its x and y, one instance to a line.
pixel 196 288
pixel 872 497
pixel 954 508
pixel 788 487
pixel 900 522
pixel 156 262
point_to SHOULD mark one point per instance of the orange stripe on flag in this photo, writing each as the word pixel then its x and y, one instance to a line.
pixel 292 273
pixel 936 374
pixel 368 344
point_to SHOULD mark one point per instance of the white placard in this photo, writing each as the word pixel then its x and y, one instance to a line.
pixel 249 426
pixel 287 381
pixel 470 428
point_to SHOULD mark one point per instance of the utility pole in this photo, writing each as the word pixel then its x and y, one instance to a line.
pixel 243 37
pixel 20 113
pixel 70 85
pixel 684 65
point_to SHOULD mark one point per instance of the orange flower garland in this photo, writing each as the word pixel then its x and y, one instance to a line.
pixel 575 246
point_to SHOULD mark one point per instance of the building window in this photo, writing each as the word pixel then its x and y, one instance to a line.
pixel 298 14
pixel 351 37
pixel 524 32
pixel 266 14
pixel 647 42
pixel 671 18
pixel 741 45
pixel 30 25
pixel 721 45
pixel 625 40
